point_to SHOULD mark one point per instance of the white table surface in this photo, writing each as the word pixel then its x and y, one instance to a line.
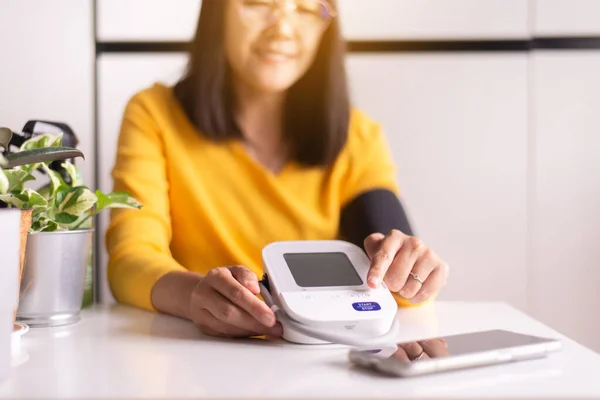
pixel 121 352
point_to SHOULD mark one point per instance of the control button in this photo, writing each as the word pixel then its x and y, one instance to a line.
pixel 354 296
pixel 366 295
pixel 335 297
pixel 308 297
pixel 366 306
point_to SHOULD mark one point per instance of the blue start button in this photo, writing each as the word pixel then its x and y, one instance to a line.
pixel 366 306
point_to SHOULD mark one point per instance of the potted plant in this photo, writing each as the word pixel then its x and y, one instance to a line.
pixel 59 241
pixel 15 171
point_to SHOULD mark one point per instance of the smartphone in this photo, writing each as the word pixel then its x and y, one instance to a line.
pixel 462 351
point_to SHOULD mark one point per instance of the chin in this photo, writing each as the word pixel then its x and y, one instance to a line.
pixel 274 81
pixel 274 86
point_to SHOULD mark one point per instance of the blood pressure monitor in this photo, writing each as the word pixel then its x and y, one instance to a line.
pixel 320 293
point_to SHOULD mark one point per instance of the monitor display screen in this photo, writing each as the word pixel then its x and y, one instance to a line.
pixel 322 269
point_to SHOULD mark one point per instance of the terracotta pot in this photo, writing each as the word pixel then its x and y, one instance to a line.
pixel 26 216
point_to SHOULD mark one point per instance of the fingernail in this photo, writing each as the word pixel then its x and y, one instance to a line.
pixel 374 281
pixel 403 292
pixel 252 286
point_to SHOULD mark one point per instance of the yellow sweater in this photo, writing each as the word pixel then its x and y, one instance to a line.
pixel 209 204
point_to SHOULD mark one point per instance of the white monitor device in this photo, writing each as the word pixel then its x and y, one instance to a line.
pixel 322 285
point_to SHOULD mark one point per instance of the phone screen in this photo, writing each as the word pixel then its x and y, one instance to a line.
pixel 457 345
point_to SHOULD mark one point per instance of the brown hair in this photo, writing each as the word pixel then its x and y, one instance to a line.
pixel 317 109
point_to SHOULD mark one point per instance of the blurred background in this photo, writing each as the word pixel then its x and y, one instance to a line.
pixel 491 107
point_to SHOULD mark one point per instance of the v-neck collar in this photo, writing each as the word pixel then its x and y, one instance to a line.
pixel 239 150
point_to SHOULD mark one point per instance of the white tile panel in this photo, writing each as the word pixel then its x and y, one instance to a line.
pixel 119 78
pixel 146 20
pixel 47 68
pixel 566 17
pixel 156 20
pixel 566 223
pixel 457 125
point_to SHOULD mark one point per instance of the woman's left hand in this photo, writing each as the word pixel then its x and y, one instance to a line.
pixel 406 265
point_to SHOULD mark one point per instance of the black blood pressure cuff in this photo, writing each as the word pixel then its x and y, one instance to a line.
pixel 374 211
pixel 265 282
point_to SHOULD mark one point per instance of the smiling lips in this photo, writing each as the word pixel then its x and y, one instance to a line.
pixel 277 52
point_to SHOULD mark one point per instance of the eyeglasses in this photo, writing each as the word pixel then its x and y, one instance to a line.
pixel 304 14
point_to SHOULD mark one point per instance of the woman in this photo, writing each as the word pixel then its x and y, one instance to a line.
pixel 257 143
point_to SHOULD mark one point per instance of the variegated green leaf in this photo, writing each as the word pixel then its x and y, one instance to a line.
pixel 34 199
pixel 14 200
pixel 44 224
pixel 65 219
pixel 32 159
pixel 4 183
pixel 77 201
pixel 40 212
pixel 36 142
pixel 74 173
pixel 84 222
pixel 51 226
pixel 42 141
pixel 17 177
pixel 27 198
pixel 36 225
pixel 116 200
pixel 44 190
pixel 56 183
pixel 57 141
pixel 61 193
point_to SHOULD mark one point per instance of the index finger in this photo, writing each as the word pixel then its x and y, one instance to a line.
pixel 435 348
pixel 372 243
pixel 383 257
pixel 239 295
pixel 400 354
pixel 246 277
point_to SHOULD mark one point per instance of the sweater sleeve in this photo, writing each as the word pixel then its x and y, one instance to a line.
pixel 138 241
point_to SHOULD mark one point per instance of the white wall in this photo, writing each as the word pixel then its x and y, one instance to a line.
pixel 565 205
pixel 162 20
pixel 565 17
pixel 119 77
pixel 457 125
pixel 47 67
pixel 566 212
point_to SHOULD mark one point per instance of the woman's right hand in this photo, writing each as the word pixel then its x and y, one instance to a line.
pixel 430 348
pixel 225 303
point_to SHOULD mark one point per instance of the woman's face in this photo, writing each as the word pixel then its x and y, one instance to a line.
pixel 270 44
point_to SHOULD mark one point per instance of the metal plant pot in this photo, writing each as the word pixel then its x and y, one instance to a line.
pixel 53 282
